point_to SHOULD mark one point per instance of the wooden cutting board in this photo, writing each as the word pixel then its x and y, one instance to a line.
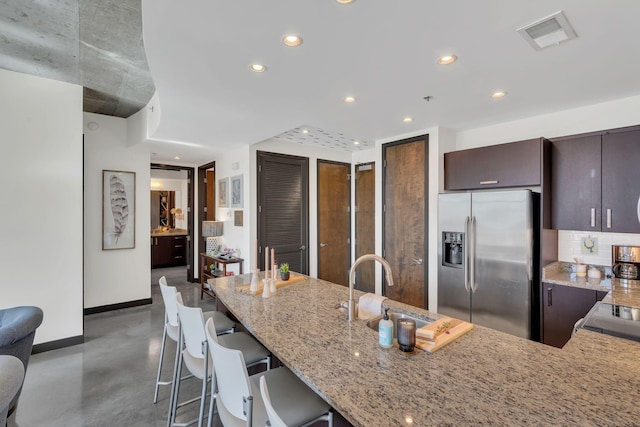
pixel 443 333
pixel 293 278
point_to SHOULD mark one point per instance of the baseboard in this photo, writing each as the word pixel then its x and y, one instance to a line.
pixel 54 345
pixel 111 307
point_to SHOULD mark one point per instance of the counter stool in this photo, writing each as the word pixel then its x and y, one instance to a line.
pixel 196 357
pixel 171 328
pixel 240 403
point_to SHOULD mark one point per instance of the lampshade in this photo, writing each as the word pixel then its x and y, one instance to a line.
pixel 211 228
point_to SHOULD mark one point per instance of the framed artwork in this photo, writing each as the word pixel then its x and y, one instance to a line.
pixel 223 196
pixel 236 191
pixel 118 210
pixel 238 219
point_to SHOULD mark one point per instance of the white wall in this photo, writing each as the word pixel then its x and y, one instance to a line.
pixel 41 207
pixel 114 276
pixel 230 164
pixel 607 115
pixel 274 146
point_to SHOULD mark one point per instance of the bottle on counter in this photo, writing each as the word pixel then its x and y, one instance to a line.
pixel 385 331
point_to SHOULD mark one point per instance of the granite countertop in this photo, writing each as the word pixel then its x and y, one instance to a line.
pixel 484 378
pixel 170 232
pixel 619 291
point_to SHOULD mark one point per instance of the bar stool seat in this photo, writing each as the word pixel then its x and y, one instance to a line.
pixel 240 402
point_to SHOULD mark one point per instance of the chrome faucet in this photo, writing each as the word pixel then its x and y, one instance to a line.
pixel 352 274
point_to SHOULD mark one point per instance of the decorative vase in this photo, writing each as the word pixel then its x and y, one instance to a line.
pixel 284 276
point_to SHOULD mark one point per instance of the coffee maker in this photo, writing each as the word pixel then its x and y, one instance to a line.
pixel 626 262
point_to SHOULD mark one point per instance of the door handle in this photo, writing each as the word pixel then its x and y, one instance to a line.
pixel 466 254
pixel 322 245
pixel 473 284
pixel 302 247
pixel 608 218
pixel 417 261
pixel 549 297
pixel 593 217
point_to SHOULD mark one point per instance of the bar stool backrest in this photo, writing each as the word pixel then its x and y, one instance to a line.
pixel 233 380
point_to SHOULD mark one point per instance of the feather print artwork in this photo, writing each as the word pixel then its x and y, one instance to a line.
pixel 119 206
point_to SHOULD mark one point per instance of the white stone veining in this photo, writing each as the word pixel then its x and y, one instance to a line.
pixel 484 378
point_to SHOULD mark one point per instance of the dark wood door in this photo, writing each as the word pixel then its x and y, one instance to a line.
pixel 283 209
pixel 575 183
pixel 563 306
pixel 405 219
pixel 621 182
pixel 334 221
pixel 365 225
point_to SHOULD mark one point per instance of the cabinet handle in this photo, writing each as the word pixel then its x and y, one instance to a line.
pixel 593 217
pixel 488 182
pixel 608 218
pixel 549 297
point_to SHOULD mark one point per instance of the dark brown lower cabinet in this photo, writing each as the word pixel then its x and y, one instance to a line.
pixel 563 306
pixel 168 251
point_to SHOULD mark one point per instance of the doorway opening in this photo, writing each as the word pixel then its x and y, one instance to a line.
pixel 172 207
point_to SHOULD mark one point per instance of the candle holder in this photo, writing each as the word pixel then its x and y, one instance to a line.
pixel 266 290
pixel 255 281
pixel 273 286
pixel 406 333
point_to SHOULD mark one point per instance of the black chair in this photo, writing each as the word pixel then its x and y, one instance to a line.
pixel 17 329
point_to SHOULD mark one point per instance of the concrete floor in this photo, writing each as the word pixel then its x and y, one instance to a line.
pixel 109 380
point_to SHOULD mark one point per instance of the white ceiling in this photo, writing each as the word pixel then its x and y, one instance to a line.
pixel 382 52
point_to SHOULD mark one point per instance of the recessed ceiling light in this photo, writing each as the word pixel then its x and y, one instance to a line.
pixel 447 59
pixel 305 130
pixel 356 142
pixel 292 40
pixel 407 120
pixel 345 1
pixel 257 68
pixel 176 158
pixel 498 95
pixel 349 99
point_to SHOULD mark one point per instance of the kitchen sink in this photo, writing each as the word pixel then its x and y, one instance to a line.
pixel 420 322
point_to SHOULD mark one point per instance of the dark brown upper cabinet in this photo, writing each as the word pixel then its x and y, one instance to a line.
pixel 516 164
pixel 575 183
pixel 595 181
pixel 621 182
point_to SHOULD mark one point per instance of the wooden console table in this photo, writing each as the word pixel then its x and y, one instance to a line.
pixel 207 273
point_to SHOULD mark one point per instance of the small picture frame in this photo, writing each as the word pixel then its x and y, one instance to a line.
pixel 118 210
pixel 238 218
pixel 223 193
pixel 236 192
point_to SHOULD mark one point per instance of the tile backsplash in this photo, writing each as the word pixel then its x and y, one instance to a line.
pixel 590 247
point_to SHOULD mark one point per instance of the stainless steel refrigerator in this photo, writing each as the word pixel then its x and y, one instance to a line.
pixel 486 258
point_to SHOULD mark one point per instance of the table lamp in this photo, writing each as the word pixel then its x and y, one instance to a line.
pixel 211 230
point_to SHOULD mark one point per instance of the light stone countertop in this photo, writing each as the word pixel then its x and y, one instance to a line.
pixel 484 378
pixel 170 232
pixel 619 292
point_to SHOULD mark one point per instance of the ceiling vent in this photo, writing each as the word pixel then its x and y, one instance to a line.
pixel 549 31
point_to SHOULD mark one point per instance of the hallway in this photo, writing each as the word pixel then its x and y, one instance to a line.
pixel 109 379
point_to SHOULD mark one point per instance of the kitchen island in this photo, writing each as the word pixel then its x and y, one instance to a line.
pixel 485 377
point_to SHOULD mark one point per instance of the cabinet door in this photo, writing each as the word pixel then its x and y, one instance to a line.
pixel 575 183
pixel 516 164
pixel 161 252
pixel 621 182
pixel 563 306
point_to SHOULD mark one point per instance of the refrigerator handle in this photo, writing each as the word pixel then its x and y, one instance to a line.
pixel 466 254
pixel 472 258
